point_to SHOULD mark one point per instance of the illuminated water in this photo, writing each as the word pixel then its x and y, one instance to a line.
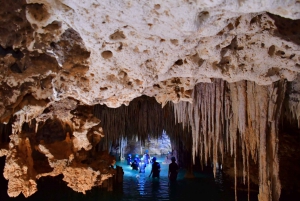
pixel 136 187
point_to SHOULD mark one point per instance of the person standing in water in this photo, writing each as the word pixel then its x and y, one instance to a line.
pixel 173 170
pixel 147 157
pixel 135 165
pixel 129 159
pixel 155 169
pixel 137 158
pixel 142 166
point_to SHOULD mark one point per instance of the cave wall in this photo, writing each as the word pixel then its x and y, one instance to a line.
pixel 231 68
pixel 52 147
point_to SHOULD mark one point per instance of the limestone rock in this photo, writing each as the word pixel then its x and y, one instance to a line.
pixel 18 168
pixel 110 53
pixel 57 57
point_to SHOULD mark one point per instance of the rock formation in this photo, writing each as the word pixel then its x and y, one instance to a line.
pixel 226 71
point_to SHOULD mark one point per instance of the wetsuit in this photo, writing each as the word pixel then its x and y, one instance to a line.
pixel 155 170
pixel 173 171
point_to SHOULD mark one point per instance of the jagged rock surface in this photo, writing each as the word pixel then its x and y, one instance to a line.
pixel 56 56
pixel 56 146
pixel 110 53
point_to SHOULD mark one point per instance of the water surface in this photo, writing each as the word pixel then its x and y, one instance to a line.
pixel 136 186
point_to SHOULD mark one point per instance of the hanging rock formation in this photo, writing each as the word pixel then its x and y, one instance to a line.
pixel 238 117
pixel 231 68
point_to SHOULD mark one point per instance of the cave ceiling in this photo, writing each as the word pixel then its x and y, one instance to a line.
pixel 110 52
pixel 57 56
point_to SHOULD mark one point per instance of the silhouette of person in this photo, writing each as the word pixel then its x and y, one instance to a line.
pixel 155 169
pixel 146 157
pixel 129 159
pixel 142 166
pixel 173 170
pixel 137 158
pixel 134 165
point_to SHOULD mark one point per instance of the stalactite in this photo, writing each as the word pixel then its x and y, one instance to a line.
pixel 276 102
pixel 209 122
pixel 233 118
pixel 242 98
pixel 227 115
pixel 235 170
pixel 206 124
pixel 248 176
pixel 237 118
pixel 222 120
pixel 252 135
pixel 142 118
pixel 233 130
pixel 292 102
pixel 262 160
pixel 217 121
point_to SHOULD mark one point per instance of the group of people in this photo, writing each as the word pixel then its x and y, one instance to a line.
pixel 140 164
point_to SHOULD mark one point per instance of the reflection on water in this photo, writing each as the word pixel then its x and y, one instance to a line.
pixel 137 186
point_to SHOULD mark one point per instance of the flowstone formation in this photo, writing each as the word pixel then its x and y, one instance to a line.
pixel 230 66
pixel 56 146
